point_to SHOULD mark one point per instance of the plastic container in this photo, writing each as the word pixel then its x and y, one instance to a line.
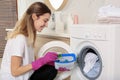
pixel 65 62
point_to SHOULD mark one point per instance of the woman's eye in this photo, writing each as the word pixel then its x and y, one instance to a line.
pixel 45 21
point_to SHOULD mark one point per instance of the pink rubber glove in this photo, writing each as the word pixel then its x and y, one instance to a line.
pixel 49 57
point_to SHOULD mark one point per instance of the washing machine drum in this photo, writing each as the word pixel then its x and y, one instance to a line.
pixel 56 46
pixel 89 62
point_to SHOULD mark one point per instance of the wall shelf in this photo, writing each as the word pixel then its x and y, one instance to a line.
pixel 49 33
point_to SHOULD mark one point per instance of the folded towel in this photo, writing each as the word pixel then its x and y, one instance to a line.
pixel 90 60
pixel 110 20
pixel 109 14
pixel 109 10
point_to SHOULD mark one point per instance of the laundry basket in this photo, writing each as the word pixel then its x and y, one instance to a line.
pixel 65 61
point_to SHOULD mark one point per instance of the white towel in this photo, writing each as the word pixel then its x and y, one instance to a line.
pixel 109 10
pixel 90 60
pixel 109 14
pixel 109 20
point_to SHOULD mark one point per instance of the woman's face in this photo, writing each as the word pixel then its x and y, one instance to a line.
pixel 41 22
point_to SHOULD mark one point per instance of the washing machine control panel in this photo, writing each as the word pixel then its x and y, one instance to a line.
pixel 93 33
pixel 96 36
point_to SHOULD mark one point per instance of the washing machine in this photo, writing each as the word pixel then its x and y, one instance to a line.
pixel 59 47
pixel 97 47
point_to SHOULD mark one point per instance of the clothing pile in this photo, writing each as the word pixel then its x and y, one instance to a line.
pixel 109 15
pixel 92 65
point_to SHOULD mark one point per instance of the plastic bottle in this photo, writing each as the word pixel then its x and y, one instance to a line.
pixel 69 23
pixel 59 25
pixel 75 19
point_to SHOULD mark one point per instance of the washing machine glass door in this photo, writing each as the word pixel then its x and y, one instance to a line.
pixel 89 62
pixel 56 46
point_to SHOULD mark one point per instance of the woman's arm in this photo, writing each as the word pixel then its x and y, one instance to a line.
pixel 17 68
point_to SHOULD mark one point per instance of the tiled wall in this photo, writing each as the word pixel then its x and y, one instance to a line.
pixel 2 39
pixel 0 61
pixel 8 17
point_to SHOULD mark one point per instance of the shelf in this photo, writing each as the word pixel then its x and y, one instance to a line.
pixel 49 33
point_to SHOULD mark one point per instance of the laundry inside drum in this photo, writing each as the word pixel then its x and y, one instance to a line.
pixel 92 65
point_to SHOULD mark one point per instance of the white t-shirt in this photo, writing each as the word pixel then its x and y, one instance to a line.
pixel 16 47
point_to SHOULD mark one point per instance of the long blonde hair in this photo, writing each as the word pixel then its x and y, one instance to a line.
pixel 25 25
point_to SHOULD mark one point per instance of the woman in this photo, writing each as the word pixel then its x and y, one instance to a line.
pixel 18 59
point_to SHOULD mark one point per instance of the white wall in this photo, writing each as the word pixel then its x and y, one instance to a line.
pixel 23 5
pixel 86 9
pixel 113 2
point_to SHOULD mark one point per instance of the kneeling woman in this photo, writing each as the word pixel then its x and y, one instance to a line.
pixel 18 60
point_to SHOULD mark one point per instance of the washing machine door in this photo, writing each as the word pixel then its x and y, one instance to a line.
pixel 60 47
pixel 89 61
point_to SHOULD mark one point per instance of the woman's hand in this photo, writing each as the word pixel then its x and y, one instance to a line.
pixel 49 57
